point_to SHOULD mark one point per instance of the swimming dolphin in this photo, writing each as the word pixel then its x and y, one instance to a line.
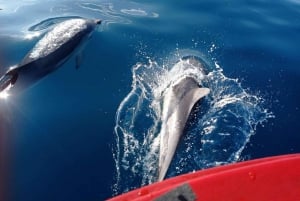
pixel 49 53
pixel 178 102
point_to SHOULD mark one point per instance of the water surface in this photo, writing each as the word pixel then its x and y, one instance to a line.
pixel 61 130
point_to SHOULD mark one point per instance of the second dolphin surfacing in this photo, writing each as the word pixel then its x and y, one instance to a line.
pixel 49 53
pixel 178 101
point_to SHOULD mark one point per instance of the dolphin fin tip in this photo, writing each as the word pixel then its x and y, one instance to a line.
pixel 206 91
pixel 201 92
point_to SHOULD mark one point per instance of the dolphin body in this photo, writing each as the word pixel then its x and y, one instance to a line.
pixel 178 102
pixel 49 53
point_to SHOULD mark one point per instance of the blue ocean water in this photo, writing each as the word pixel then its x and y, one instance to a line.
pixel 63 131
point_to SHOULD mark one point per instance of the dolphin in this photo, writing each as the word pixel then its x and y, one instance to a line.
pixel 49 53
pixel 178 101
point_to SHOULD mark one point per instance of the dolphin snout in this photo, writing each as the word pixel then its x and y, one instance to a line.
pixel 98 21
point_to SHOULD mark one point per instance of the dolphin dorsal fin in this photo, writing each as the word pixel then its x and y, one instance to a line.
pixel 199 93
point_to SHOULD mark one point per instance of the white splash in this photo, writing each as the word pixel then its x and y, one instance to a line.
pixel 217 134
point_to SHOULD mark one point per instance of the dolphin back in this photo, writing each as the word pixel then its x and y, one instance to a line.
pixel 178 103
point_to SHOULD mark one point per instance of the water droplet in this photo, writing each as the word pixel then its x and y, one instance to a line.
pixel 252 175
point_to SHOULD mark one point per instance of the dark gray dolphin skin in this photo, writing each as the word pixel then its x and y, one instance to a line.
pixel 49 53
pixel 178 102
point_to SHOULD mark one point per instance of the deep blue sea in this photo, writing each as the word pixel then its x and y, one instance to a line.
pixel 91 133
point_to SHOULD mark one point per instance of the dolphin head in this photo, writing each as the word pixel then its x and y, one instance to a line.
pixel 91 25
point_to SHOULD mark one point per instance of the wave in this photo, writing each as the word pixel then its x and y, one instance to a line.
pixel 217 131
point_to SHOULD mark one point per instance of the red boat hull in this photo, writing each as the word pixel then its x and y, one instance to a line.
pixel 268 179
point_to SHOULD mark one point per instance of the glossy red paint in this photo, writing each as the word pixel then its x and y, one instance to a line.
pixel 273 178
